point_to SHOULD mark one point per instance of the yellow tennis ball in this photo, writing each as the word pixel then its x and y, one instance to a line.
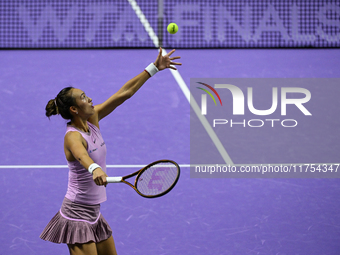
pixel 172 28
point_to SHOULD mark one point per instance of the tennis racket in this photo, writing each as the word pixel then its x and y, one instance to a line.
pixel 154 180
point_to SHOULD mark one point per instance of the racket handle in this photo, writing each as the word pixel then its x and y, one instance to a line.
pixel 114 179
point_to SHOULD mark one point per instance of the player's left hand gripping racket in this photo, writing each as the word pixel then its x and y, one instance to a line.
pixel 154 180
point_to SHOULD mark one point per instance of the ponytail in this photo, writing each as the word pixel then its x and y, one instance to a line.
pixel 51 108
pixel 61 104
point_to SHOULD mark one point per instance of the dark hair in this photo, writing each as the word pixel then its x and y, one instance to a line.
pixel 61 104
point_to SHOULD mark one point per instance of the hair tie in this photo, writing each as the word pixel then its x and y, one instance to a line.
pixel 56 106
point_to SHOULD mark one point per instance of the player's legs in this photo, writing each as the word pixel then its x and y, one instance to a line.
pixel 106 247
pixel 83 249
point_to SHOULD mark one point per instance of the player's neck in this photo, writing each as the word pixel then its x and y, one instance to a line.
pixel 80 124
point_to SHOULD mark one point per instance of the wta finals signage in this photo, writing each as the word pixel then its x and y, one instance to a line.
pixel 202 24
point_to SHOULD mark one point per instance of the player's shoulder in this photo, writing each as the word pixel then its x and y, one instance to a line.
pixel 72 136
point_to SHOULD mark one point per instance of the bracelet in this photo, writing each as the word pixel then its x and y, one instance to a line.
pixel 93 167
pixel 151 69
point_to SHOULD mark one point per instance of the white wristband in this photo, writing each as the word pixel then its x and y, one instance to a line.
pixel 151 69
pixel 92 167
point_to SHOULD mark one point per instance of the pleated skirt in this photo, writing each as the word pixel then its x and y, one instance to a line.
pixel 77 223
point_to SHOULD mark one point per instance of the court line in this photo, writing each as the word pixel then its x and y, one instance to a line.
pixel 140 166
pixel 201 117
pixel 65 166
pixel 184 87
pixel 143 20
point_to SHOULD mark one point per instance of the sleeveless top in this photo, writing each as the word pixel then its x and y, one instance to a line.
pixel 81 187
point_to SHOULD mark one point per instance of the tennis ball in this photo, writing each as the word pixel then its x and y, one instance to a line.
pixel 172 28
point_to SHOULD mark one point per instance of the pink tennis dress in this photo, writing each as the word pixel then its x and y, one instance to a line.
pixel 79 220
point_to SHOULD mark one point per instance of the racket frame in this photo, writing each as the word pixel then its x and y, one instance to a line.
pixel 139 172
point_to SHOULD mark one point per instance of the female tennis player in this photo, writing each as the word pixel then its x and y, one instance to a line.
pixel 79 222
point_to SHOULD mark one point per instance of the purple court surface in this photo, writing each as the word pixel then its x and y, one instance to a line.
pixel 199 216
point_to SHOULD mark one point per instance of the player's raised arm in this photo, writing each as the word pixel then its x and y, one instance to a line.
pixel 133 85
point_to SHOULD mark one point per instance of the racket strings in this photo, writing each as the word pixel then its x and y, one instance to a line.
pixel 157 179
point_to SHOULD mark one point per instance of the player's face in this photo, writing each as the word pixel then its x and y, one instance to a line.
pixel 83 102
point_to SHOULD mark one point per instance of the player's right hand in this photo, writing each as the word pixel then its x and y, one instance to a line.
pixel 99 177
